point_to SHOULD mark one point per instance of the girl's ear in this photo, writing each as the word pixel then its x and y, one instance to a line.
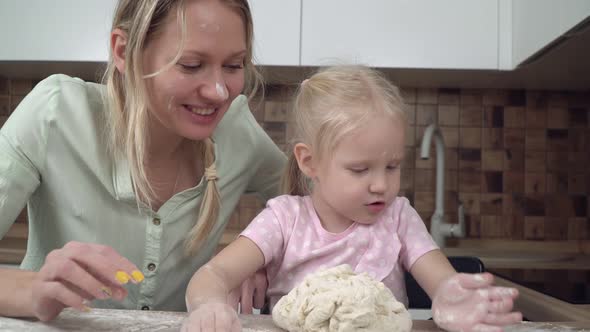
pixel 304 159
pixel 118 46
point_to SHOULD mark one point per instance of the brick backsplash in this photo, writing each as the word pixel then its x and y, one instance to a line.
pixel 516 159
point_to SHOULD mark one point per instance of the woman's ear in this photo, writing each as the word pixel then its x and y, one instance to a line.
pixel 118 47
pixel 304 159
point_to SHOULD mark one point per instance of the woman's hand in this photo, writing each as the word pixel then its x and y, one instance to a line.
pixel 77 274
pixel 213 316
pixel 469 302
pixel 251 294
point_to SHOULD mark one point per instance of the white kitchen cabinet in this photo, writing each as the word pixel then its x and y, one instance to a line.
pixel 78 31
pixel 276 31
pixel 56 30
pixel 537 23
pixel 457 34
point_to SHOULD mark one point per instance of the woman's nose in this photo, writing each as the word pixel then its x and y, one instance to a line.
pixel 214 88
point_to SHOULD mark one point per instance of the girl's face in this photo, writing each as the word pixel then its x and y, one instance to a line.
pixel 362 176
pixel 190 98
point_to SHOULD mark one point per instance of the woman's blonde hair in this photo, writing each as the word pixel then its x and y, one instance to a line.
pixel 127 98
pixel 330 105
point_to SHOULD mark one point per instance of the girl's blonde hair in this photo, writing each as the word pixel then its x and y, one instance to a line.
pixel 330 105
pixel 127 98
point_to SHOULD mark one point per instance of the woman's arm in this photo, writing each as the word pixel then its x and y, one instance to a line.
pixel 270 166
pixel 71 276
pixel 15 287
pixel 227 270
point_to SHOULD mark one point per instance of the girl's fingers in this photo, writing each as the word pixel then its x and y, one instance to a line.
pixel 260 286
pixel 503 319
pixel 476 280
pixel 451 291
pixel 500 293
pixel 233 298
pixel 501 306
pixel 246 297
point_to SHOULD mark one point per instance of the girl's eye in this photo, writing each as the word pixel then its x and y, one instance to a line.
pixel 358 170
pixel 392 167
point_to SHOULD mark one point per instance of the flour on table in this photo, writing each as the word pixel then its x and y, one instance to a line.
pixel 338 300
pixel 542 327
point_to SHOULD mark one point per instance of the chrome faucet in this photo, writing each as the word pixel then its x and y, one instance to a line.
pixel 439 230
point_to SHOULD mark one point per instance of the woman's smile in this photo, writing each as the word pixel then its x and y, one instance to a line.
pixel 200 115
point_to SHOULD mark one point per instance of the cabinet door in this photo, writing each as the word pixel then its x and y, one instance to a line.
pixel 276 31
pixel 537 23
pixel 460 34
pixel 56 30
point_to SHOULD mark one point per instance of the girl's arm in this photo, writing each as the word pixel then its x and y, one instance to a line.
pixel 226 271
pixel 431 269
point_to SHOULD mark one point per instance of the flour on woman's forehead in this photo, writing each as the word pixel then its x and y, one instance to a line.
pixel 210 27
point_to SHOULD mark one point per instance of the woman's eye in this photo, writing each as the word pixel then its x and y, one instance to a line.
pixel 189 67
pixel 235 67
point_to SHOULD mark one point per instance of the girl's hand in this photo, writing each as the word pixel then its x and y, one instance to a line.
pixel 469 302
pixel 215 316
pixel 251 294
pixel 77 274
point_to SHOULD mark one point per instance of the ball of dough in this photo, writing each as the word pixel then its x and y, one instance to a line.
pixel 337 299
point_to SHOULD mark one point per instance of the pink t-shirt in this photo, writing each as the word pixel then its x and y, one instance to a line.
pixel 294 244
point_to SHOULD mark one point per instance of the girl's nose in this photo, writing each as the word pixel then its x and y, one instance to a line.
pixel 378 184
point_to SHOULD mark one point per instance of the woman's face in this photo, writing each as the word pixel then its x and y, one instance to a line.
pixel 190 98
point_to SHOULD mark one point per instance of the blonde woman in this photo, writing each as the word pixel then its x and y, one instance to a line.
pixel 133 181
pixel 343 181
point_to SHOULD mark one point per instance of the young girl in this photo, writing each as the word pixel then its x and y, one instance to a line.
pixel 349 146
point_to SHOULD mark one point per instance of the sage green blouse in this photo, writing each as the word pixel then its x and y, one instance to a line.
pixel 53 158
